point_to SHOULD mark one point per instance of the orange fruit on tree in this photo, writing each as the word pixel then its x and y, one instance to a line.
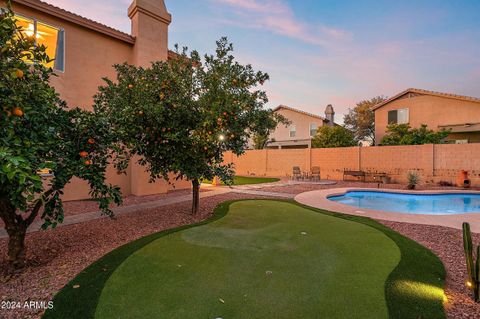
pixel 130 86
pixel 83 154
pixel 17 111
pixel 91 141
pixel 88 162
pixel 19 73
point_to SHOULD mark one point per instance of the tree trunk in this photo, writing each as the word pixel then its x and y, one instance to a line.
pixel 16 247
pixel 16 229
pixel 196 196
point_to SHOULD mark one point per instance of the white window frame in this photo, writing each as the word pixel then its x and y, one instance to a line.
pixel 310 129
pixel 293 129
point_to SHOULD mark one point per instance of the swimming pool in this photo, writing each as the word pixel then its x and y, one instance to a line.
pixel 430 204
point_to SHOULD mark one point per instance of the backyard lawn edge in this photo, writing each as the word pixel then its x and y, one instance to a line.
pixel 79 298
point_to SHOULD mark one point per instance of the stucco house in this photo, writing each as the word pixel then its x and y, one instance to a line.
pixel 457 113
pixel 85 51
pixel 303 126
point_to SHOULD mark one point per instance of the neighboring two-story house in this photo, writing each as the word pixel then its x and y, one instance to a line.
pixel 457 113
pixel 301 129
pixel 85 52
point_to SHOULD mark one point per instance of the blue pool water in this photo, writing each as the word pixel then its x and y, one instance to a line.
pixel 438 204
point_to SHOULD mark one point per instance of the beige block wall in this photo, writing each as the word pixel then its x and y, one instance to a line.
pixel 433 163
pixel 333 161
pixel 397 161
pixel 281 162
pixel 450 159
pixel 431 110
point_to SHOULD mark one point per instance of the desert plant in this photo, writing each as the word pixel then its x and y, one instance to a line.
pixel 473 267
pixel 413 179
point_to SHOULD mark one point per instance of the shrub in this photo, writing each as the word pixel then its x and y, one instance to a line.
pixel 413 179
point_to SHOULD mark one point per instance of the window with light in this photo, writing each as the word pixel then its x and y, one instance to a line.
pixel 49 36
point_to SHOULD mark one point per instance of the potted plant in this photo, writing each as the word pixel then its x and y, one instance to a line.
pixel 413 180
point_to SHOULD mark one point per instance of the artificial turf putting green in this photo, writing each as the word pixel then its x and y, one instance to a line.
pixel 246 180
pixel 264 259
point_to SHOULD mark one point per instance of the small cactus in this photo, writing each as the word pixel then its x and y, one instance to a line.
pixel 473 267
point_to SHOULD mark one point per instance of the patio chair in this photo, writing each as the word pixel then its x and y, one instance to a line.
pixel 296 173
pixel 315 175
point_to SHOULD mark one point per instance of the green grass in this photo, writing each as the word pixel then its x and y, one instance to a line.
pixel 246 180
pixel 343 267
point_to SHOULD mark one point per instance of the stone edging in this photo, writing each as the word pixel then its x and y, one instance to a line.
pixel 319 199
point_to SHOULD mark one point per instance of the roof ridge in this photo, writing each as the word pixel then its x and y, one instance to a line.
pixel 428 92
pixel 299 111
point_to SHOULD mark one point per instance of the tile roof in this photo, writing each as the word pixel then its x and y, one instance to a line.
pixel 77 19
pixel 427 92
pixel 299 111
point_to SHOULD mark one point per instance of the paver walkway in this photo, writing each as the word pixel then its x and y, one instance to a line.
pixel 138 208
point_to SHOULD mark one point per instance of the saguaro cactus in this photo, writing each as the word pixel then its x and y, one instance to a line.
pixel 473 266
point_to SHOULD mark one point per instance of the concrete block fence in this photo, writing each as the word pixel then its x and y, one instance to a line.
pixel 434 163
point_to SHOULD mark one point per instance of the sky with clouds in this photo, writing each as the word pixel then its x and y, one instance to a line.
pixel 321 52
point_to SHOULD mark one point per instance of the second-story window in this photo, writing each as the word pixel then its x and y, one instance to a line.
pixel 399 116
pixel 49 36
pixel 293 131
pixel 313 129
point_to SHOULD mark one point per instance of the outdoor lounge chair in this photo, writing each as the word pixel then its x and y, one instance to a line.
pixel 315 175
pixel 296 173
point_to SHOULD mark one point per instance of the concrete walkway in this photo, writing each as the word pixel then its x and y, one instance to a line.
pixel 139 208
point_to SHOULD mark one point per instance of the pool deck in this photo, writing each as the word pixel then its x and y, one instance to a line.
pixel 319 199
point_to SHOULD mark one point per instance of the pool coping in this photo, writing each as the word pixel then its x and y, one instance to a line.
pixel 319 199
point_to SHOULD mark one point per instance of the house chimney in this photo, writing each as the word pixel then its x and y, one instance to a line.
pixel 150 21
pixel 330 115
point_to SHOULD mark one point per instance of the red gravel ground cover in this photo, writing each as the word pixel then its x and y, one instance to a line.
pixel 86 206
pixel 447 244
pixel 56 256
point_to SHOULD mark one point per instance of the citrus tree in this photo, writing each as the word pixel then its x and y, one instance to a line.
pixel 39 134
pixel 180 116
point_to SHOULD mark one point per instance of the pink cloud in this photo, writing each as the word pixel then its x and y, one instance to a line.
pixel 277 17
